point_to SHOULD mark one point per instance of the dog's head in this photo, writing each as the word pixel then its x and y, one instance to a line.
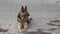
pixel 24 11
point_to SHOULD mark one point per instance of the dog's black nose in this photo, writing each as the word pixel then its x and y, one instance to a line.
pixel 31 19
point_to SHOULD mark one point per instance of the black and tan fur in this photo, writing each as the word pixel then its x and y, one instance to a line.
pixel 23 19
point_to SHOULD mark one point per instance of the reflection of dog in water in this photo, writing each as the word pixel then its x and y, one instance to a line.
pixel 24 19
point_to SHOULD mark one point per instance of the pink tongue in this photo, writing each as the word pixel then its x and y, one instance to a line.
pixel 26 16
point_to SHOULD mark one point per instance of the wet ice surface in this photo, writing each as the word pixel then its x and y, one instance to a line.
pixel 41 14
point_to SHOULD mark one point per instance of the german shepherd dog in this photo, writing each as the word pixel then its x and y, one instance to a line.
pixel 24 19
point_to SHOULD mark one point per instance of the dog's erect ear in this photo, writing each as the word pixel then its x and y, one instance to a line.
pixel 25 7
pixel 22 8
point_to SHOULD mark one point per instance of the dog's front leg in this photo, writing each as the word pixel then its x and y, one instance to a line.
pixel 19 27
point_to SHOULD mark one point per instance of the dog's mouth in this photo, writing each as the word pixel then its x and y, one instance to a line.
pixel 26 16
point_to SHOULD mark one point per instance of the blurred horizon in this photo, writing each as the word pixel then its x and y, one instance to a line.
pixel 26 2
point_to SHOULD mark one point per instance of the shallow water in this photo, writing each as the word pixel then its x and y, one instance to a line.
pixel 41 14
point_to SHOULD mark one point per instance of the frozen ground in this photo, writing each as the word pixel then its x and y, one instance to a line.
pixel 41 13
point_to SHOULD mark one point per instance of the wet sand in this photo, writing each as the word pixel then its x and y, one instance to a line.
pixel 3 30
pixel 38 32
